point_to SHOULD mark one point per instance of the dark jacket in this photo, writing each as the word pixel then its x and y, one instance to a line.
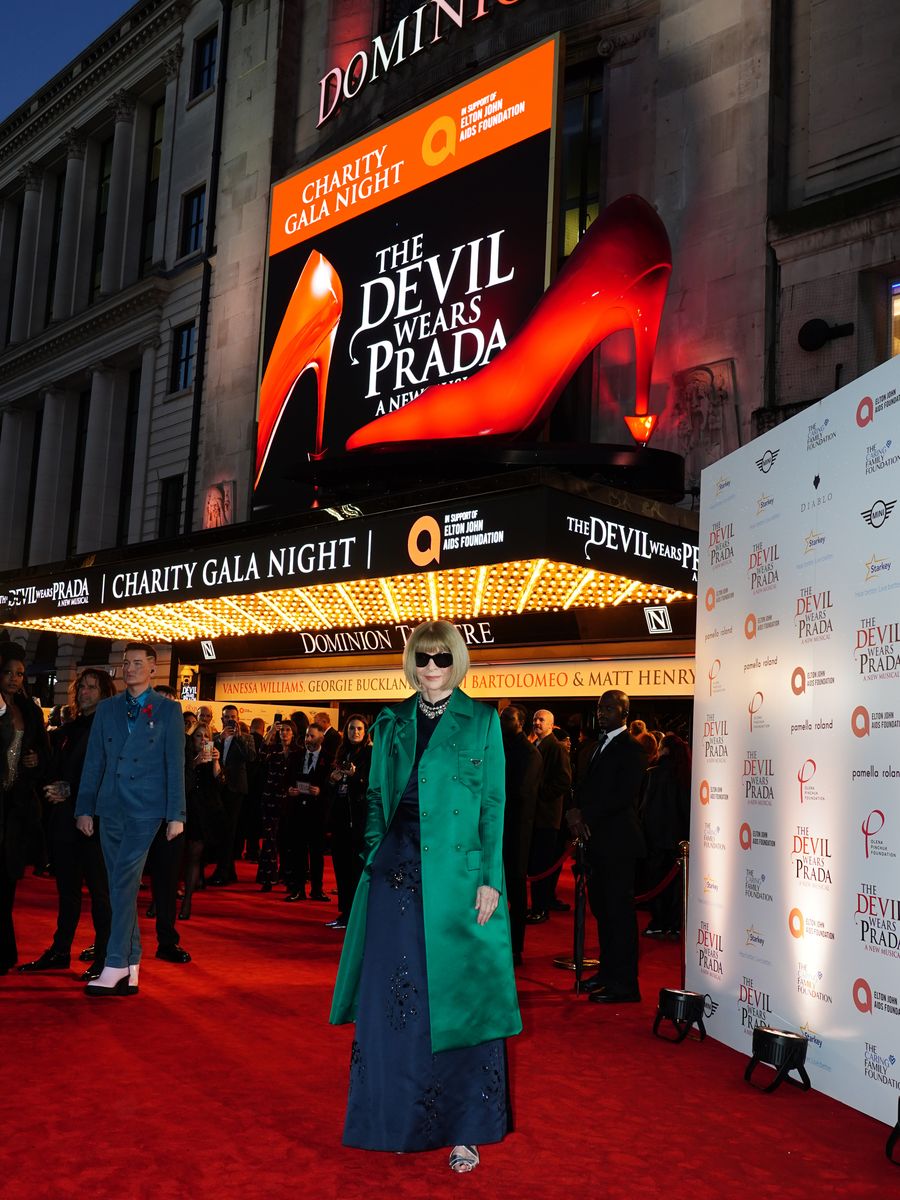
pixel 524 767
pixel 20 812
pixel 347 796
pixel 665 809
pixel 66 762
pixel 556 784
pixel 608 796
pixel 241 751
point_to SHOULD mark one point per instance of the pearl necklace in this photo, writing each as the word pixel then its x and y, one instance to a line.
pixel 433 711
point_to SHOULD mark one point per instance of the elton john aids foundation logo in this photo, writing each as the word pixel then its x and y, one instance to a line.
pixel 868 999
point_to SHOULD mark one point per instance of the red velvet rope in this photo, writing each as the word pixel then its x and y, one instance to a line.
pixel 642 899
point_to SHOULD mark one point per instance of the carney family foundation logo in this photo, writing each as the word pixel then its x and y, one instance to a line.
pixel 810 982
pixel 881 456
pixel 881 1067
pixel 755 887
pixel 712 840
pixel 819 434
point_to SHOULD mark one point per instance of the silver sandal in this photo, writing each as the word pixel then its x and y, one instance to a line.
pixel 464 1159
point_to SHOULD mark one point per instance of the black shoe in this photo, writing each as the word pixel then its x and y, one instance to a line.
pixel 340 923
pixel 537 918
pixel 614 996
pixel 292 897
pixel 87 954
pixel 320 897
pixel 653 931
pixel 266 887
pixel 593 983
pixel 185 914
pixel 216 881
pixel 92 973
pixel 151 910
pixel 173 954
pixel 559 905
pixel 50 960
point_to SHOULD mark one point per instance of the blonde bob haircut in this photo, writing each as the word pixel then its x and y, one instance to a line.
pixel 433 637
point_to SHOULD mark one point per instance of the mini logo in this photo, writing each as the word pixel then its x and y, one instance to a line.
pixel 877 566
pixel 767 462
pixel 874 823
pixel 710 1006
pixel 658 618
pixel 879 512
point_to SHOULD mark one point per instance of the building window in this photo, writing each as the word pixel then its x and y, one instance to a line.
pixel 103 178
pixel 32 486
pixel 895 317
pixel 151 188
pixel 84 408
pixel 582 120
pixel 192 209
pixel 184 349
pixel 12 274
pixel 203 73
pixel 170 493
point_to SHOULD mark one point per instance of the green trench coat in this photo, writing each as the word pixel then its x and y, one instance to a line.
pixel 471 986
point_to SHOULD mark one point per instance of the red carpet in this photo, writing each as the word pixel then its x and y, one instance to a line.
pixel 222 1079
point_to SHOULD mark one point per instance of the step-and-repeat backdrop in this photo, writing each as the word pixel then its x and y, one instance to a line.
pixel 794 915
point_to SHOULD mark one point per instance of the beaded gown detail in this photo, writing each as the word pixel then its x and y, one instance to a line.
pixel 402 1096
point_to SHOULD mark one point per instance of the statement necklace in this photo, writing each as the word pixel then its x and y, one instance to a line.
pixel 433 711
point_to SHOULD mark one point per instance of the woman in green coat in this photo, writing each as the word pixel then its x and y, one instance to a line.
pixel 426 970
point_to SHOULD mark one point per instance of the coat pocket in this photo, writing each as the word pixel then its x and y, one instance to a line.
pixel 473 860
pixel 470 769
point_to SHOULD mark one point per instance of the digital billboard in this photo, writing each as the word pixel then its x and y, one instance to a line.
pixel 405 260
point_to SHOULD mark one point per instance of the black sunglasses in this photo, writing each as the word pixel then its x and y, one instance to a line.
pixel 442 659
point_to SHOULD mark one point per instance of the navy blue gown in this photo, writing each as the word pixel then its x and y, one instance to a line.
pixel 402 1096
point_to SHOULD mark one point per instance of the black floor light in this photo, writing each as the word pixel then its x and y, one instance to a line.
pixel 683 1009
pixel 782 1050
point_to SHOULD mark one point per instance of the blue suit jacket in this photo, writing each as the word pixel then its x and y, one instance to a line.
pixel 137 774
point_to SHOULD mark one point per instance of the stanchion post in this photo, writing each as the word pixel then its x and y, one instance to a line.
pixel 685 848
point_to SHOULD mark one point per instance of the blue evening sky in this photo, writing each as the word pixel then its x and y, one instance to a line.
pixel 41 36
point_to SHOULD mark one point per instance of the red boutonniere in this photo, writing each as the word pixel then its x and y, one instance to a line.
pixel 147 710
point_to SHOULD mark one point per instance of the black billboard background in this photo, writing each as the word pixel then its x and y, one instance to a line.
pixel 508 192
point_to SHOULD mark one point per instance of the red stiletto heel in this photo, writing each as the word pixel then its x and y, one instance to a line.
pixel 616 278
pixel 305 341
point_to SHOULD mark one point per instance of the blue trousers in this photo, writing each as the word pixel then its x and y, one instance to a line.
pixel 126 842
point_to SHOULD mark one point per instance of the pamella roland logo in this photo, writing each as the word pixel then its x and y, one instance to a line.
pixel 878 513
pixel 819 434
pixel 767 462
pixel 709 950
pixel 870 407
pixel 872 830
pixel 754 1005
pixel 878 920
pixel 868 1000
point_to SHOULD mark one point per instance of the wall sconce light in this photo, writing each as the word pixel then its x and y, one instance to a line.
pixel 817 333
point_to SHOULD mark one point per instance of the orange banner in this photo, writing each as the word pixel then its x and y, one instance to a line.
pixel 487 115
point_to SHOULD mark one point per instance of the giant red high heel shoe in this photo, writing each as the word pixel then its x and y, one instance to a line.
pixel 305 341
pixel 616 278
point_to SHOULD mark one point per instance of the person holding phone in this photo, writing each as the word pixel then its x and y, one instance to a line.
pixel 426 970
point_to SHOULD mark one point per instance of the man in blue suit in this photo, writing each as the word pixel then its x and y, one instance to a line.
pixel 133 780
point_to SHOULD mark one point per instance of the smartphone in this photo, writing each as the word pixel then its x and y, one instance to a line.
pixel 278 718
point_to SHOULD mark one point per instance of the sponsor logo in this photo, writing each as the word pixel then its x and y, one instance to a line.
pixel 878 513
pixel 715 737
pixel 712 840
pixel 801 679
pixel 710 1006
pixel 812 615
pixel 753 708
pixel 723 484
pixel 759 779
pixel 68 593
pixel 767 462
pixel 869 407
pixel 868 999
pixel 876 649
pixel 755 886
pixel 756 623
pixel 815 1040
pixel 720 631
pixel 817 499
pixel 765 503
pixel 881 1066
pixel 710 950
pixel 805 776
pixel 804 925
pixel 720 547
pixel 712 674
pixel 754 837
pixel 877 567
pixel 862 722
pixel 710 792
pixel 813 542
pixel 809 983
pixel 880 457
pixel 754 1005
pixel 710 885
pixel 877 919
pixel 811 857
pixel 872 829
pixel 754 938
pixel 819 435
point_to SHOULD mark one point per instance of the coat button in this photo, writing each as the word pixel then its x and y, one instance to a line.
pixel 423 779
pixel 454 779
pixel 425 849
pixel 459 847
pixel 456 812
pixel 424 814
